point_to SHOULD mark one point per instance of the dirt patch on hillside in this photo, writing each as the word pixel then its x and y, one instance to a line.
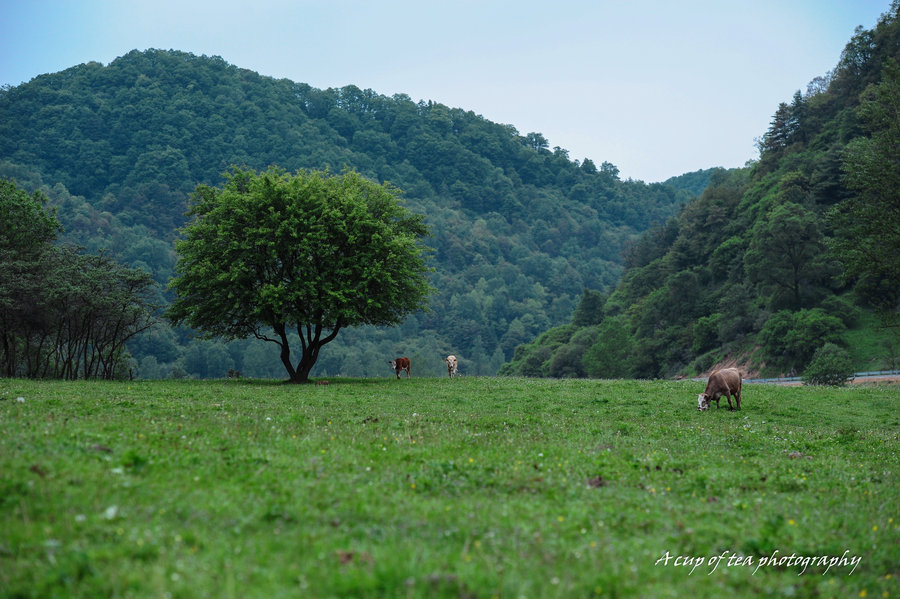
pixel 742 363
pixel 892 379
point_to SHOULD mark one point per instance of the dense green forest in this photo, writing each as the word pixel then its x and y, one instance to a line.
pixel 63 313
pixel 519 229
pixel 798 250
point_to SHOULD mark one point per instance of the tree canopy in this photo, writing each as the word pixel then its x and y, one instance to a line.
pixel 519 228
pixel 868 224
pixel 744 272
pixel 63 313
pixel 273 252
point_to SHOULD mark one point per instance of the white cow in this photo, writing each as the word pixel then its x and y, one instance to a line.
pixel 452 364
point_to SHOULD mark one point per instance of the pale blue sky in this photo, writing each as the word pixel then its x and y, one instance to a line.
pixel 658 88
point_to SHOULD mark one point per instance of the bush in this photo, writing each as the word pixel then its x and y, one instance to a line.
pixel 706 333
pixel 842 308
pixel 788 338
pixel 706 361
pixel 610 356
pixel 830 365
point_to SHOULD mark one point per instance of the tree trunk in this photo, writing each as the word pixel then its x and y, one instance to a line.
pixel 285 351
pixel 312 341
pixel 301 374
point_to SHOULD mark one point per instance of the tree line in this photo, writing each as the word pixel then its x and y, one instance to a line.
pixel 518 228
pixel 63 313
pixel 773 261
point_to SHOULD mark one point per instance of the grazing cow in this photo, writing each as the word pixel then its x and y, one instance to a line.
pixel 727 382
pixel 451 365
pixel 399 365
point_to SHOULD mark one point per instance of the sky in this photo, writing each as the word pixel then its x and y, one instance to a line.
pixel 658 88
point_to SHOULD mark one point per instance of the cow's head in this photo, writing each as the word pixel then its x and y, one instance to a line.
pixel 702 402
pixel 393 364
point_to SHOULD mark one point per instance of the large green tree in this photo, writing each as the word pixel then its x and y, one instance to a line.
pixel 787 256
pixel 272 252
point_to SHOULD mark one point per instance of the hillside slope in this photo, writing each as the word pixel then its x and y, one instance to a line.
pixel 757 269
pixel 519 229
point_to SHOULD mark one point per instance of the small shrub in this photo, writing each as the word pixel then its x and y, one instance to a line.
pixel 705 362
pixel 830 365
pixel 706 333
pixel 787 338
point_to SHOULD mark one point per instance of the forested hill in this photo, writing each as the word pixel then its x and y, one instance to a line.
pixel 796 253
pixel 519 229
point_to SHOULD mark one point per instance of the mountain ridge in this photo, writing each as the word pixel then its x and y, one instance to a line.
pixel 519 229
pixel 772 262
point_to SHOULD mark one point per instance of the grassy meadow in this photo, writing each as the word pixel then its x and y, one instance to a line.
pixel 475 487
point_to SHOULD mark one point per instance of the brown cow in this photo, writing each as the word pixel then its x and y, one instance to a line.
pixel 399 365
pixel 451 365
pixel 727 382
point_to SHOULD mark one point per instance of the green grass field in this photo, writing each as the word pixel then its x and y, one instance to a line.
pixel 476 487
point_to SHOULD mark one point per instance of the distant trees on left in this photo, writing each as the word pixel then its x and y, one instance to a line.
pixel 63 314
